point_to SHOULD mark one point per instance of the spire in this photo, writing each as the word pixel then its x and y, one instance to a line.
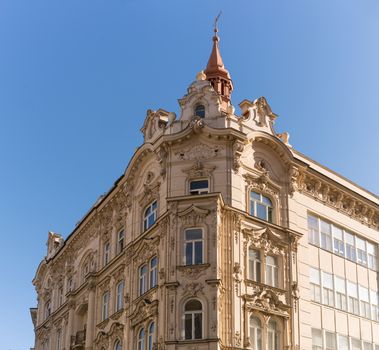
pixel 216 72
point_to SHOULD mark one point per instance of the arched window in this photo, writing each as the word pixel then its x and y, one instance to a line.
pixel 200 111
pixel 105 306
pixel 260 206
pixel 143 279
pixel 255 333
pixel 153 272
pixel 120 241
pixel 120 296
pixel 272 271
pixel 273 336
pixel 193 319
pixel 141 340
pixel 254 265
pixel 151 336
pixel 117 345
pixel 193 246
pixel 150 216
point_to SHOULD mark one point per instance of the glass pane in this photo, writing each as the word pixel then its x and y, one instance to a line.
pixel 371 249
pixel 193 305
pixel 337 233
pixel 340 285
pixel 195 233
pixel 349 238
pixel 198 326
pixel 363 294
pixel 254 254
pixel 352 289
pixel 255 195
pixel 188 326
pixel 266 201
pixel 154 205
pixel 361 244
pixel 198 252
pixel 330 340
pixel 314 275
pixel 269 218
pixel 189 254
pixel 261 211
pixel 343 343
pixel 197 185
pixel 327 280
pixel 325 227
pixel 355 344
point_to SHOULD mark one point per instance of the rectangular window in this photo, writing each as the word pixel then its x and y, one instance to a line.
pixel 316 339
pixel 120 241
pixel 272 271
pixel 326 235
pixel 313 231
pixel 193 246
pixel 330 341
pixel 367 346
pixel 350 246
pixel 353 298
pixel 105 306
pixel 314 278
pixel 199 187
pixel 328 289
pixel 343 343
pixel 364 301
pixel 120 296
pixel 59 339
pixel 254 265
pixel 374 305
pixel 143 279
pixel 338 243
pixel 107 252
pixel 361 251
pixel 340 293
pixel 372 255
pixel 355 344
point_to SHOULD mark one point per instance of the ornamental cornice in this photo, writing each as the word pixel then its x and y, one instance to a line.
pixel 333 196
pixel 145 249
pixel 143 310
pixel 193 272
pixel 198 169
pixel 193 215
pixel 263 184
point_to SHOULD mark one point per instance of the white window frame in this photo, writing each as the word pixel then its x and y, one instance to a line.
pixel 193 314
pixel 107 253
pixel 272 271
pixel 150 336
pixel 141 339
pixel 202 190
pixel 255 332
pixel 253 202
pixel 192 243
pixel 120 241
pixel 153 273
pixel 105 306
pixel 255 265
pixel 153 207
pixel 120 296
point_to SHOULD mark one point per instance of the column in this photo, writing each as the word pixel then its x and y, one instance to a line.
pixel 90 313
pixel 70 324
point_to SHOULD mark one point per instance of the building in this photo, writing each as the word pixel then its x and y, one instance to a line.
pixel 219 235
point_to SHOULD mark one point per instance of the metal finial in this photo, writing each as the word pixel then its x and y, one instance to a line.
pixel 216 20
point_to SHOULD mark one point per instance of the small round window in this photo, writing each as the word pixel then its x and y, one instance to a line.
pixel 200 111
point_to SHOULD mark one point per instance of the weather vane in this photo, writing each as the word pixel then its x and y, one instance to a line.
pixel 216 20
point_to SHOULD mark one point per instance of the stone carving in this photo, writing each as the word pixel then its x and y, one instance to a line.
pixel 145 249
pixel 193 272
pixel 262 184
pixel 199 151
pixel 193 289
pixel 265 239
pixel 144 309
pixel 193 215
pixel 238 148
pixel 198 169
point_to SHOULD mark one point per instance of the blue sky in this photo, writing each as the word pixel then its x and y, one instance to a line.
pixel 76 79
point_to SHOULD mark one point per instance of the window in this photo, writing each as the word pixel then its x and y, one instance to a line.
pixel 120 296
pixel 374 305
pixel 316 339
pixel 353 298
pixel 150 216
pixel 361 251
pixel 340 293
pixel 105 306
pixel 372 255
pixel 314 278
pixel 367 346
pixel 193 246
pixel 350 246
pixel 47 309
pixel 143 279
pixel 326 235
pixel 330 341
pixel 193 320
pixel 272 271
pixel 69 285
pixel 60 296
pixel 313 235
pixel 199 187
pixel 255 333
pixel 364 301
pixel 141 340
pixel 355 344
pixel 343 343
pixel 153 272
pixel 117 345
pixel 151 336
pixel 120 241
pixel 328 294
pixel 338 244
pixel 254 265
pixel 107 253
pixel 260 206
pixel 200 111
pixel 273 338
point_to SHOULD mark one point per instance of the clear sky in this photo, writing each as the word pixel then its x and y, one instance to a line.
pixel 77 76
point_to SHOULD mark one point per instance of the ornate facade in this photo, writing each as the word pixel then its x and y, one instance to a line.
pixel 219 235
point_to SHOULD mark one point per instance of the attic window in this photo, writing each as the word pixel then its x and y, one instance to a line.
pixel 200 111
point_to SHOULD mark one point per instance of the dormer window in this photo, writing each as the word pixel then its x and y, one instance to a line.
pixel 199 187
pixel 200 111
pixel 260 206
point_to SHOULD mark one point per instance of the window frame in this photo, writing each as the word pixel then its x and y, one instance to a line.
pixel 120 241
pixel 119 305
pixel 195 110
pixel 194 247
pixel 199 191
pixel 145 279
pixel 193 314
pixel 253 208
pixel 105 305
pixel 146 224
pixel 106 253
